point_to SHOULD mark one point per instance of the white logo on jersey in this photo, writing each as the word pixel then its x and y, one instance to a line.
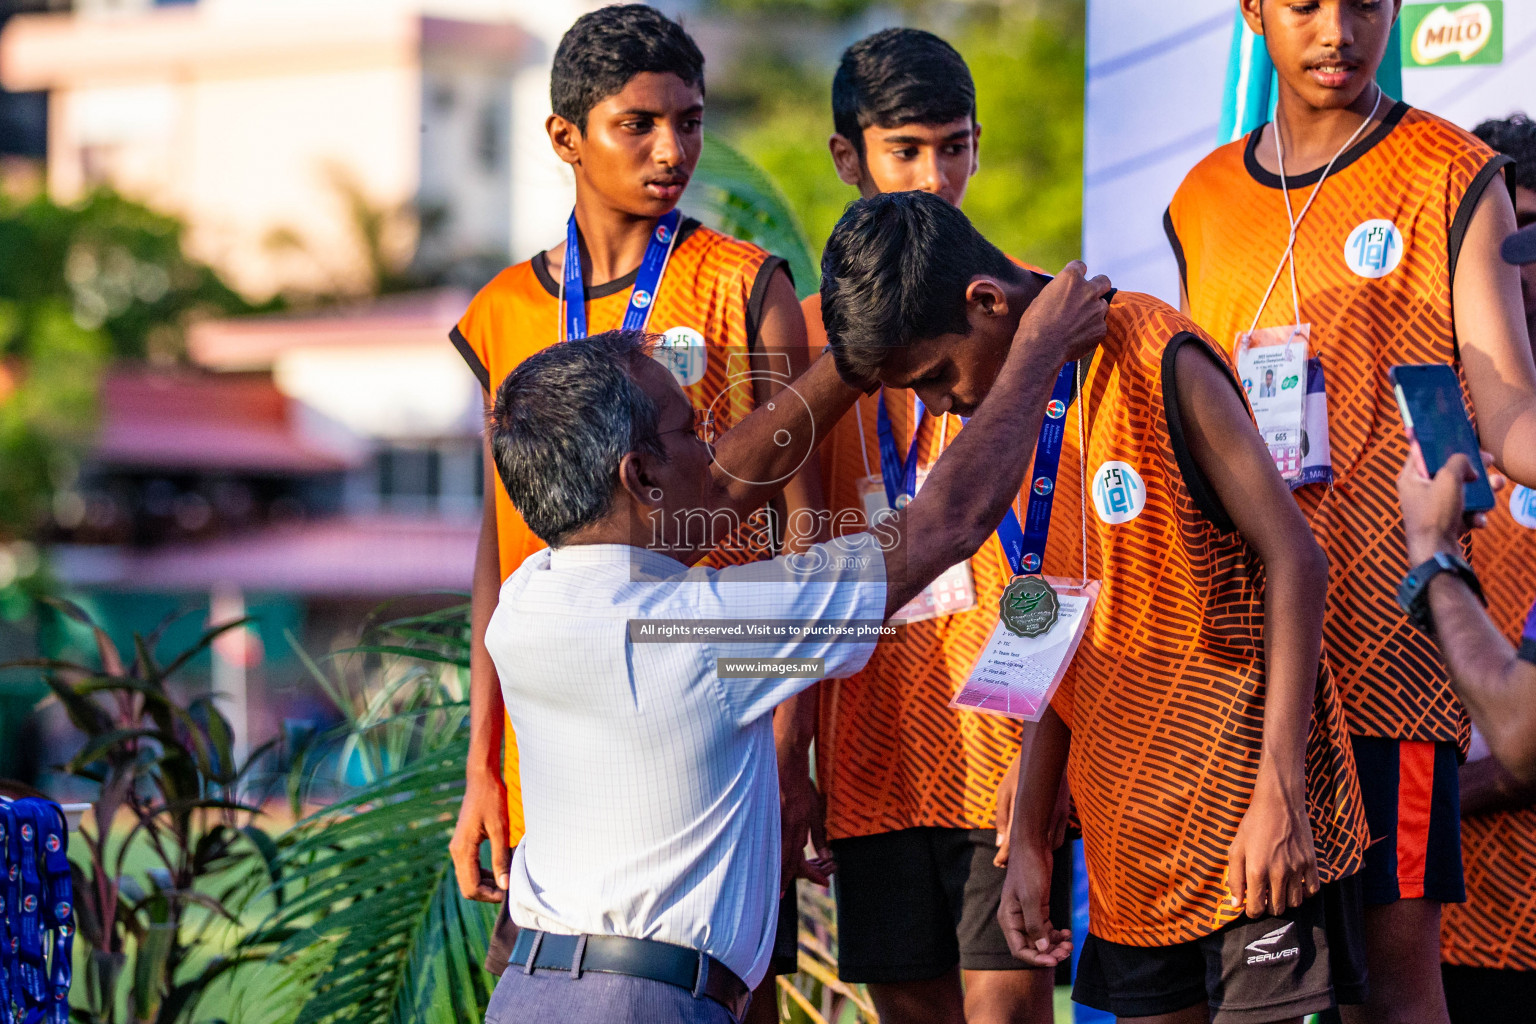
pixel 1119 494
pixel 681 350
pixel 1522 505
pixel 1374 249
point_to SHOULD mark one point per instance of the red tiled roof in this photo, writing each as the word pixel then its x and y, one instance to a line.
pixel 254 342
pixel 376 556
pixel 180 420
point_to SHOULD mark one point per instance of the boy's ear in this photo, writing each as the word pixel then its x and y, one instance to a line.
pixel 564 138
pixel 846 159
pixel 1253 14
pixel 984 295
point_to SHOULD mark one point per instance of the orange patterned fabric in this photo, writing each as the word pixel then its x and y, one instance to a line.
pixel 1423 176
pixel 891 753
pixel 1496 927
pixel 709 285
pixel 1165 697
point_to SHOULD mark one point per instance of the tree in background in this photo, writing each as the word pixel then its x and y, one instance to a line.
pixel 1028 63
pixel 102 279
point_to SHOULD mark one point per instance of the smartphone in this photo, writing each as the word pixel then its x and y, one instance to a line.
pixel 1429 397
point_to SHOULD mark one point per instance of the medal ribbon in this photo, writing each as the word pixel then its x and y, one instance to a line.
pixel 1024 545
pixel 899 474
pixel 647 279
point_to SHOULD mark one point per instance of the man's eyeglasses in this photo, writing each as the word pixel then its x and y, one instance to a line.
pixel 702 428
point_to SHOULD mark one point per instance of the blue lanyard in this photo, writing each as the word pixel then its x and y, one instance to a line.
pixel 36 913
pixel 899 474
pixel 647 278
pixel 1025 546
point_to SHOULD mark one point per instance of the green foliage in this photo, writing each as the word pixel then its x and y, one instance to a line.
pixel 737 197
pixel 168 787
pixel 1028 63
pixel 370 926
pixel 118 266
pixel 80 284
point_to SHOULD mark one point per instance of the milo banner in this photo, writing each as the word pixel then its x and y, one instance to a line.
pixel 1453 34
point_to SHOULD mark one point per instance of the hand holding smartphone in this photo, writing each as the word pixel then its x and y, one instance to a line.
pixel 1434 415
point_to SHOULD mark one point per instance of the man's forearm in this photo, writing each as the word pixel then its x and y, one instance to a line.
pixel 754 450
pixel 1498 689
pixel 1486 787
pixel 975 480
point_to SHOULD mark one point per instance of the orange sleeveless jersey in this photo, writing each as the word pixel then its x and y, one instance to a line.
pixel 1165 697
pixel 1415 181
pixel 891 753
pixel 1496 927
pixel 714 285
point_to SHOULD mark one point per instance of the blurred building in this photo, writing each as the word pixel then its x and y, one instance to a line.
pixel 304 142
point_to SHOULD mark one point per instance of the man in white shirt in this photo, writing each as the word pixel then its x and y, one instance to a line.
pixel 650 866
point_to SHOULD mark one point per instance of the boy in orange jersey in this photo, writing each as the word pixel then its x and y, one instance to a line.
pixel 627 90
pixel 1396 217
pixel 918 795
pixel 1488 944
pixel 1209 763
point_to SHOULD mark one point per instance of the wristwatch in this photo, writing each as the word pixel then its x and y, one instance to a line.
pixel 1413 592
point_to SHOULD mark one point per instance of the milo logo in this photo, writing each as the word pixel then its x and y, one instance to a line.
pixel 1433 33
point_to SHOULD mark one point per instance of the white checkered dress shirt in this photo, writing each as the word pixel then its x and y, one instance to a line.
pixel 650 785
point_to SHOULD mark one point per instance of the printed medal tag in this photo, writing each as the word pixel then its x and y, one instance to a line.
pixel 1272 363
pixel 955 589
pixel 1016 674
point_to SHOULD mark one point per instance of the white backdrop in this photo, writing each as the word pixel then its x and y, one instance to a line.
pixel 1156 71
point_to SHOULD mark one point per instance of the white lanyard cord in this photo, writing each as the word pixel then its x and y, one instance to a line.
pixel 1289 255
pixel 858 417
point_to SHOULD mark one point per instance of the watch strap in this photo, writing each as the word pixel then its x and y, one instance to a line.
pixel 1413 592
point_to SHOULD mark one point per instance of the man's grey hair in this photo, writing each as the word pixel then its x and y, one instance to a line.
pixel 562 422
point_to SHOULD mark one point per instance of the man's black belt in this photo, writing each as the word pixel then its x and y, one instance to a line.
pixel 690 969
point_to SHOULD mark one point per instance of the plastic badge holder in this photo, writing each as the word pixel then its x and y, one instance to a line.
pixel 1016 676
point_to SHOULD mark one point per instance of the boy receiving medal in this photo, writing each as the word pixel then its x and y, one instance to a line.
pixel 1208 757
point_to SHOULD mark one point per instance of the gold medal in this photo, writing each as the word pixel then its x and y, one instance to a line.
pixel 1029 607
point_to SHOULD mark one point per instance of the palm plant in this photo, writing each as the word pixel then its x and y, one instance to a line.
pixel 733 194
pixel 368 924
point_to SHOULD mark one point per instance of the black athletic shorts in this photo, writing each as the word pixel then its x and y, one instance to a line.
pixel 1412 798
pixel 914 904
pixel 1484 995
pixel 1306 960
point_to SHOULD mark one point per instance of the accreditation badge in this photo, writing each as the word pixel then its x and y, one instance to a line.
pixel 1272 364
pixel 953 592
pixel 1041 622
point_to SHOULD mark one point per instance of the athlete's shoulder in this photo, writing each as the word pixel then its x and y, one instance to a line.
pixel 1148 319
pixel 719 249
pixel 1212 169
pixel 1420 126
pixel 513 284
